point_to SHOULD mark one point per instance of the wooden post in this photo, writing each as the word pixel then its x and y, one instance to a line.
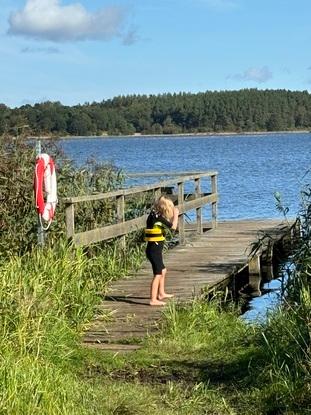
pixel 214 204
pixel 198 210
pixel 70 220
pixel 254 265
pixel 157 193
pixel 121 217
pixel 267 266
pixel 254 274
pixel 181 221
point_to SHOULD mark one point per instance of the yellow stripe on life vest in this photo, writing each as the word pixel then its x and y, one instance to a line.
pixel 154 231
pixel 154 238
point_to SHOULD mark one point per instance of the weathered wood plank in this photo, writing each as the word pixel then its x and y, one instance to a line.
pixel 108 232
pixel 135 190
pixel 220 251
pixel 196 203
pixel 120 229
pixel 70 220
pixel 173 174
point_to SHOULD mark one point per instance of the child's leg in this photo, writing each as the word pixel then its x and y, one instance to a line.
pixel 154 289
pixel 161 293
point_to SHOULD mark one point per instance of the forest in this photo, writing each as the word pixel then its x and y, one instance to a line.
pixel 247 110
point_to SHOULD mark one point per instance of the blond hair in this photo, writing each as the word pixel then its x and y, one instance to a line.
pixel 165 207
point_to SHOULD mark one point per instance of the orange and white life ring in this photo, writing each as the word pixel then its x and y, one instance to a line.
pixel 45 187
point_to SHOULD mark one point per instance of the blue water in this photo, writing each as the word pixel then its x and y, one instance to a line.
pixel 269 301
pixel 251 168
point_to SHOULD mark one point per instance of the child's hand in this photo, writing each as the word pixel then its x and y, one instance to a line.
pixel 175 218
pixel 176 211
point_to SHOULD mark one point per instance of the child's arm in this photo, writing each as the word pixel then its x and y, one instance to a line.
pixel 175 218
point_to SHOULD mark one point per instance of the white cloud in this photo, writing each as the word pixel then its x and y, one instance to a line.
pixel 259 75
pixel 50 20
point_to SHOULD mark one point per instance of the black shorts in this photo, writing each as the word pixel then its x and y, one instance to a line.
pixel 154 254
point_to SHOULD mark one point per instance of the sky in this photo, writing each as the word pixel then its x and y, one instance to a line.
pixel 77 51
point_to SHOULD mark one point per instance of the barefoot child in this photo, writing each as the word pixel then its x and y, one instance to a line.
pixel 163 214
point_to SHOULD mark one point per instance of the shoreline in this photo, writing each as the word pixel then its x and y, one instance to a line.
pixel 139 135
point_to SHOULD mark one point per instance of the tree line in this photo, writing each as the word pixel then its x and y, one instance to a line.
pixel 211 111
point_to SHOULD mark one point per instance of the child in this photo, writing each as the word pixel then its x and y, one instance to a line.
pixel 163 214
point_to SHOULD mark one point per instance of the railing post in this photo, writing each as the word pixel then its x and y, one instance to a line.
pixel 254 274
pixel 214 204
pixel 198 210
pixel 157 192
pixel 267 259
pixel 70 220
pixel 121 217
pixel 181 220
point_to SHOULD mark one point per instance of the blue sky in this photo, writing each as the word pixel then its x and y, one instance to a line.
pixel 77 51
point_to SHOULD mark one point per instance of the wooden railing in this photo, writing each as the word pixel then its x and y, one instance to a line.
pixel 123 227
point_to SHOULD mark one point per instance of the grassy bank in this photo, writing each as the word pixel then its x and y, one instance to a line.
pixel 207 361
pixel 204 360
pixel 46 298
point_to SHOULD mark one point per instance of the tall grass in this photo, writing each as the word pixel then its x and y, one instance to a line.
pixel 287 334
pixel 46 299
pixel 18 219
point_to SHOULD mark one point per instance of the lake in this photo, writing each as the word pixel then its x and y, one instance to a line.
pixel 251 168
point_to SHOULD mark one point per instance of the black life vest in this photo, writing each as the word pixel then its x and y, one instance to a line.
pixel 156 233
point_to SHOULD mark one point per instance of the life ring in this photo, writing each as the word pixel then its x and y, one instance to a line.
pixel 45 187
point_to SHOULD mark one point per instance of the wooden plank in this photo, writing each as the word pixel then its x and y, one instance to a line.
pixel 199 209
pixel 182 209
pixel 190 269
pixel 70 220
pixel 108 232
pixel 193 204
pixel 173 174
pixel 121 216
pixel 133 190
pixel 214 203
pixel 119 229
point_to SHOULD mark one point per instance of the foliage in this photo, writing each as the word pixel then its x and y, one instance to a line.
pixel 233 111
pixel 18 220
pixel 46 298
pixel 287 334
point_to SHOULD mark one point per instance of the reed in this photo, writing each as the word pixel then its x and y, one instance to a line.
pixel 46 299
pixel 287 334
pixel 18 219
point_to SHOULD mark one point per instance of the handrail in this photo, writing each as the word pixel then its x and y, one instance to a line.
pixel 173 174
pixel 124 227
pixel 136 189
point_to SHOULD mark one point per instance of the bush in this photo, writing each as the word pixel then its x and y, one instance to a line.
pixel 18 219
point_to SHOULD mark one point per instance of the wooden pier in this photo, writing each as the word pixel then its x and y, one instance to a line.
pixel 206 261
pixel 203 258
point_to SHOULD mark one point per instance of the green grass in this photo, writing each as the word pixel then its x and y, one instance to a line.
pixel 208 361
pixel 46 298
pixel 203 360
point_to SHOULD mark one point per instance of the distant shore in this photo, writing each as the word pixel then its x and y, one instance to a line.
pixel 208 134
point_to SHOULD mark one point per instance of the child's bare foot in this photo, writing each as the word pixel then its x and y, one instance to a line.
pixel 156 302
pixel 162 297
